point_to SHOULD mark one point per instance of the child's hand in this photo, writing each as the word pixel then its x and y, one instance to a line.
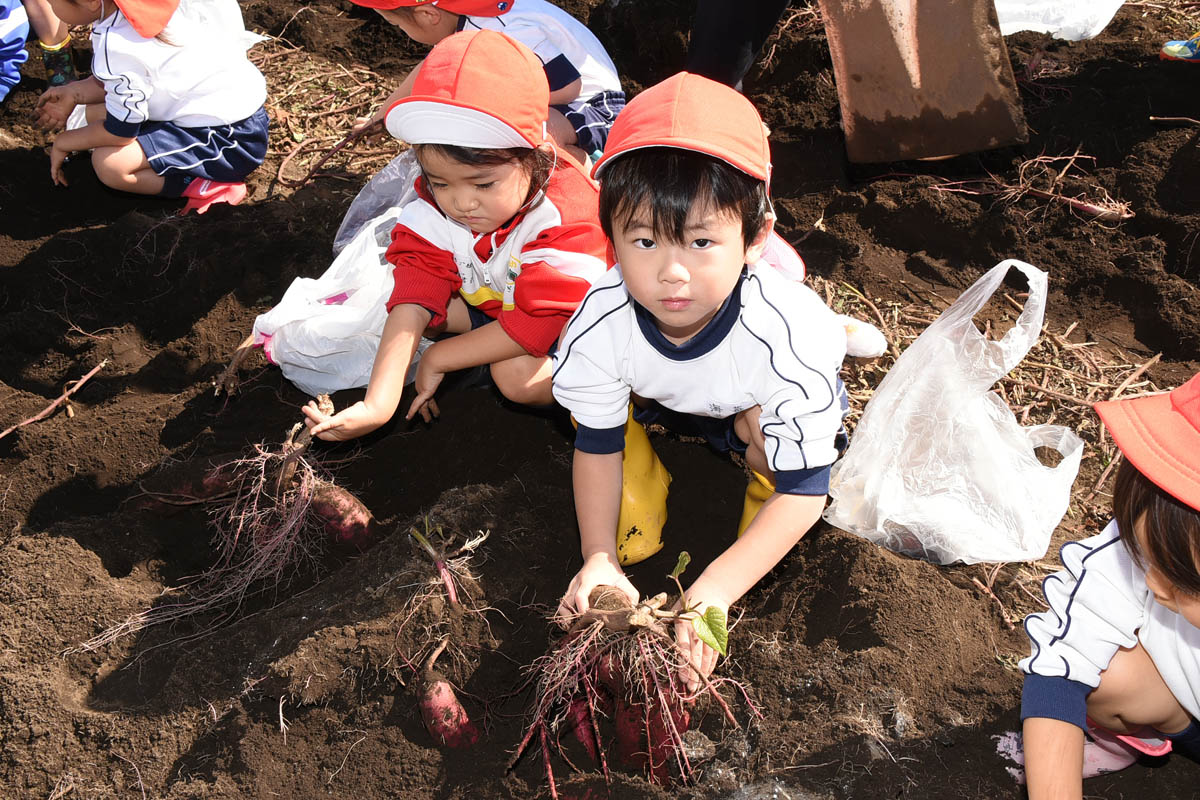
pixel 54 107
pixel 429 377
pixel 369 127
pixel 349 423
pixel 599 569
pixel 701 659
pixel 58 157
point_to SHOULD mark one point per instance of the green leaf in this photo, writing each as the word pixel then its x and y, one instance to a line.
pixel 712 630
pixel 681 564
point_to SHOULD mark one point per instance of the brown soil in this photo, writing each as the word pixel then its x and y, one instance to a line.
pixel 876 675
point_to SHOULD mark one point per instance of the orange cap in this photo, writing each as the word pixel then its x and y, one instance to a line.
pixel 692 112
pixel 472 8
pixel 1160 435
pixel 475 89
pixel 148 17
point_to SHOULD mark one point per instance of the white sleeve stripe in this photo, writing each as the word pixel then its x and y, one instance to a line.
pixel 774 367
pixel 126 94
pixel 577 265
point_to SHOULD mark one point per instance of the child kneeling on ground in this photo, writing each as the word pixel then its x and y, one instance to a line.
pixel 500 245
pixel 173 107
pixel 585 92
pixel 705 339
pixel 1117 656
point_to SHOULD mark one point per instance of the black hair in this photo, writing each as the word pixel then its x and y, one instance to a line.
pixel 537 162
pixel 1170 529
pixel 665 183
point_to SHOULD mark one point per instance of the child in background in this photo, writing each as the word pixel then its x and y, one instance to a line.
pixel 54 39
pixel 499 246
pixel 14 30
pixel 174 107
pixel 705 339
pixel 585 92
pixel 1118 653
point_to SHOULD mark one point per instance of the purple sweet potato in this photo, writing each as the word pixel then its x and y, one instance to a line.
pixel 346 521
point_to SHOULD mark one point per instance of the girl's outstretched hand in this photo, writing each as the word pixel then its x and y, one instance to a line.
pixel 58 157
pixel 429 378
pixel 349 423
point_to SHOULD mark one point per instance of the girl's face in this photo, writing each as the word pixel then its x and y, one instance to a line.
pixel 1184 604
pixel 78 12
pixel 481 197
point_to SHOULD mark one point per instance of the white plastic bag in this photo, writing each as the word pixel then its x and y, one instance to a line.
pixel 392 186
pixel 325 331
pixel 1072 20
pixel 938 466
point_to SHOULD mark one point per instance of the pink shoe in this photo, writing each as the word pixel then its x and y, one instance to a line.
pixel 1105 751
pixel 202 193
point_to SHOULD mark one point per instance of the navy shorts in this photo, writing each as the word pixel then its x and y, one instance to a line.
pixel 717 432
pixel 225 153
pixel 593 118
pixel 479 319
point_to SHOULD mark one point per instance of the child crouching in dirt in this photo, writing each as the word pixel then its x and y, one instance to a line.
pixel 585 92
pixel 703 338
pixel 500 245
pixel 1117 656
pixel 174 107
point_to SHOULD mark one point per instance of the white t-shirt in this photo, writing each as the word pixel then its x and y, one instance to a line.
pixel 566 47
pixel 1099 603
pixel 774 344
pixel 198 77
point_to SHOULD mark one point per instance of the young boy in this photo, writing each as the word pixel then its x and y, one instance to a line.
pixel 704 338
pixel 585 92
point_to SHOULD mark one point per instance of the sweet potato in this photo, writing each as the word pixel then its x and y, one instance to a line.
pixel 344 518
pixel 444 717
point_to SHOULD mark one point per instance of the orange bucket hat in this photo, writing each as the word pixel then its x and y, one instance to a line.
pixel 1160 435
pixel 148 17
pixel 475 89
pixel 472 8
pixel 692 112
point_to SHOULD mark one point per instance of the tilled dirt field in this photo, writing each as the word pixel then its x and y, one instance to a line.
pixel 875 675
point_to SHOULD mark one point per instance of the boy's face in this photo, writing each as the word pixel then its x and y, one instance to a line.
pixel 684 284
pixel 423 24
pixel 481 197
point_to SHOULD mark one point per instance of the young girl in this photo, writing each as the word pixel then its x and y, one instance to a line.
pixel 174 107
pixel 500 245
pixel 1118 653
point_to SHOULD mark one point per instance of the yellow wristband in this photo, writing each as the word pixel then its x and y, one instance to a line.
pixel 54 48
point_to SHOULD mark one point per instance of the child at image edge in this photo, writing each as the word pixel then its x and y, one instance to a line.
pixel 174 106
pixel 705 339
pixel 500 245
pixel 1118 653
pixel 585 92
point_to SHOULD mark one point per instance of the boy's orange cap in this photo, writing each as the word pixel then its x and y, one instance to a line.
pixel 1160 435
pixel 148 17
pixel 692 112
pixel 472 8
pixel 475 89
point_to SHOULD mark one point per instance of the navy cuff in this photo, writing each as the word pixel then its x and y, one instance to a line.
pixel 600 441
pixel 126 130
pixel 814 481
pixel 1055 698
pixel 559 72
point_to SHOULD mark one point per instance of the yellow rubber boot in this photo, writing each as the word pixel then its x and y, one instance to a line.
pixel 757 492
pixel 644 485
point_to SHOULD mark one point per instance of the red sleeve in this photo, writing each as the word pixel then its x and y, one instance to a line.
pixel 543 300
pixel 424 275
pixel 545 296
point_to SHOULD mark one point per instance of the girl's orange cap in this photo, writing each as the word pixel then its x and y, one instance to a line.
pixel 1160 435
pixel 692 112
pixel 148 17
pixel 472 8
pixel 475 89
